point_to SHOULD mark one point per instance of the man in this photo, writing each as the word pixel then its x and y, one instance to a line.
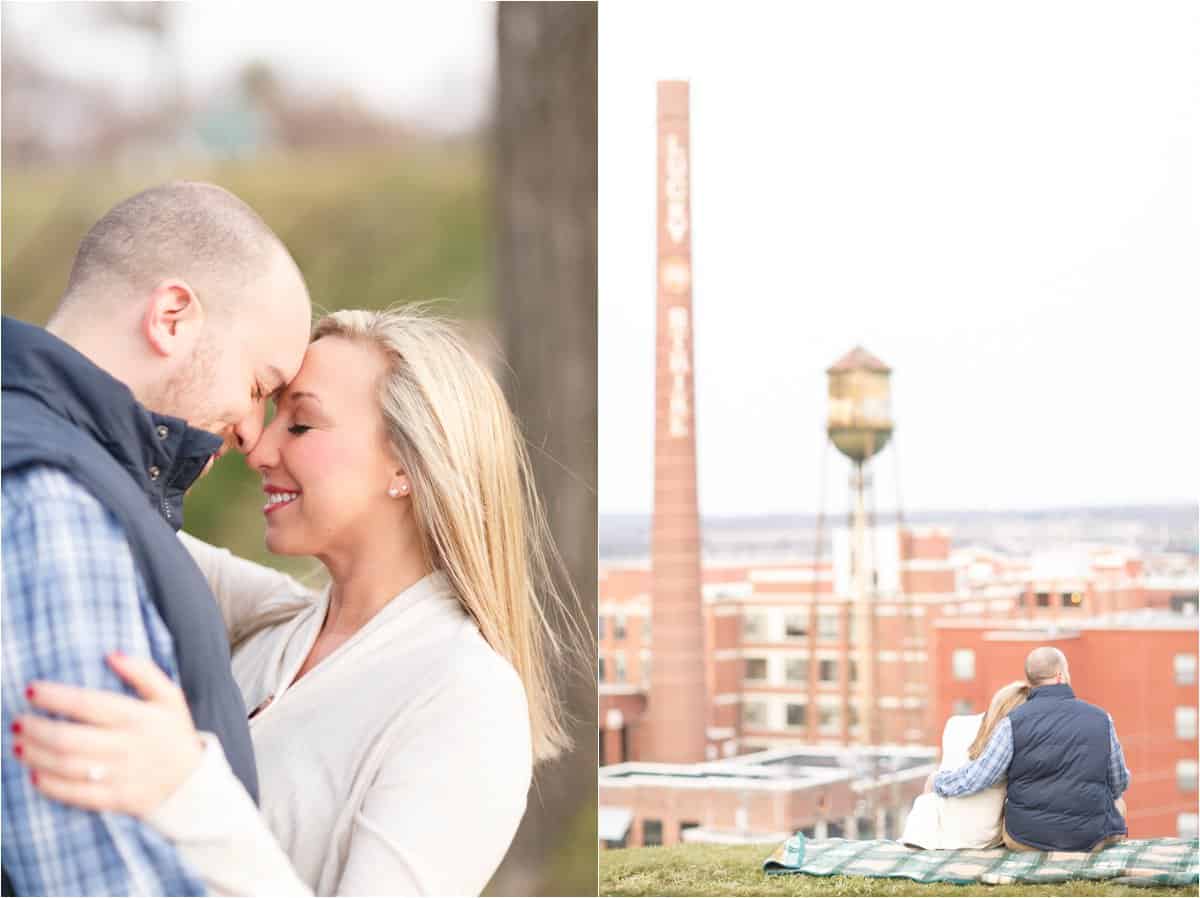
pixel 182 314
pixel 1066 771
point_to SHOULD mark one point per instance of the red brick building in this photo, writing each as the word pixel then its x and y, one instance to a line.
pixel 782 662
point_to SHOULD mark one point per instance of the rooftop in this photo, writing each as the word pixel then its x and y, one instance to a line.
pixel 858 359
pixel 781 768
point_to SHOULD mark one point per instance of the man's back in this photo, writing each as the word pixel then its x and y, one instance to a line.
pixel 1060 789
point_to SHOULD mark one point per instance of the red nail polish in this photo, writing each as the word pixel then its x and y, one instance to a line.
pixel 33 777
pixel 16 727
pixel 18 750
pixel 29 692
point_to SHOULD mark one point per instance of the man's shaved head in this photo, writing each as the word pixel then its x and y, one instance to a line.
pixel 195 232
pixel 1044 664
pixel 187 296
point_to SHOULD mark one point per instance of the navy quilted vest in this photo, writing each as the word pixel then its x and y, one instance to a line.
pixel 59 409
pixel 1058 794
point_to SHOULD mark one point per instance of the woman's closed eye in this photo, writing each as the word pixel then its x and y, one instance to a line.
pixel 299 429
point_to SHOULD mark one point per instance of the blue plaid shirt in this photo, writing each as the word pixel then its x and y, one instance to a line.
pixel 72 594
pixel 992 766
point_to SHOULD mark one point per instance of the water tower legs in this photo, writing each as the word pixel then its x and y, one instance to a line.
pixel 863 610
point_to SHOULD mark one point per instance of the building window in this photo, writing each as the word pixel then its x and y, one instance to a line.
pixel 1185 776
pixel 795 670
pixel 851 631
pixel 651 832
pixel 1072 599
pixel 619 627
pixel 963 706
pixel 962 662
pixel 1187 824
pixel 1185 670
pixel 796 715
pixel 601 668
pixel 827 625
pixel 600 627
pixel 827 670
pixel 795 626
pixel 619 666
pixel 852 670
pixel 754 628
pixel 754 715
pixel 1043 600
pixel 1184 603
pixel 1185 723
pixel 756 668
pixel 852 715
pixel 827 717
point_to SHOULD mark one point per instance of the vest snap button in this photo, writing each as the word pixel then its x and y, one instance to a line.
pixel 162 431
pixel 154 472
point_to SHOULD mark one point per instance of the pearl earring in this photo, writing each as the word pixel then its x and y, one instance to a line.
pixel 393 492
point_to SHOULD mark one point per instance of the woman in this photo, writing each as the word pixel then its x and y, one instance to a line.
pixel 397 714
pixel 969 821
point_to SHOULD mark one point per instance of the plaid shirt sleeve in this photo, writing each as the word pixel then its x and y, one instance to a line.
pixel 1118 773
pixel 986 770
pixel 72 594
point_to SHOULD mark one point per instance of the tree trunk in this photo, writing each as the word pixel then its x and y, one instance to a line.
pixel 545 199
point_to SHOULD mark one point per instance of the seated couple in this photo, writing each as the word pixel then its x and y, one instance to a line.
pixel 1040 771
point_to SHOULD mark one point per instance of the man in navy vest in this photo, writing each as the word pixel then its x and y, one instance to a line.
pixel 182 314
pixel 1065 768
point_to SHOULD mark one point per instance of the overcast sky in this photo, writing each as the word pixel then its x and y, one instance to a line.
pixel 998 200
pixel 429 62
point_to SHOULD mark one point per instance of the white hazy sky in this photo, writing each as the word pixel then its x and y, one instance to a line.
pixel 998 200
pixel 429 62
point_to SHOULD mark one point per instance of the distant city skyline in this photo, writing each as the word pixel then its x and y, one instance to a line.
pixel 999 204
pixel 1156 529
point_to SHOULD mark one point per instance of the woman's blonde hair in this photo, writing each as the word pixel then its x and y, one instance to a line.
pixel 1003 702
pixel 474 498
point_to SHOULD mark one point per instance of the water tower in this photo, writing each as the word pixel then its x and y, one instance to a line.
pixel 860 425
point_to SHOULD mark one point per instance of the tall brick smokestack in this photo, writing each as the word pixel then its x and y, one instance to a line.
pixel 677 709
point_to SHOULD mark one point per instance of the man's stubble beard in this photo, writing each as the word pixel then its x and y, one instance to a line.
pixel 186 394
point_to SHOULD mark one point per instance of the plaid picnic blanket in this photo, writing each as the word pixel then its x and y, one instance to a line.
pixel 1143 862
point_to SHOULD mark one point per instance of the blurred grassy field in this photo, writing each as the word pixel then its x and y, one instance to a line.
pixel 737 870
pixel 367 228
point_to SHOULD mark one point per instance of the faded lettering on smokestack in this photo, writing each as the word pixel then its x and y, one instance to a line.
pixel 676 719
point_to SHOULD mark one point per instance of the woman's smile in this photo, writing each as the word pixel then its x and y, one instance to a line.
pixel 277 498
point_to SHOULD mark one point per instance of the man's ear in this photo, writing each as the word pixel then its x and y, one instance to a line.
pixel 173 319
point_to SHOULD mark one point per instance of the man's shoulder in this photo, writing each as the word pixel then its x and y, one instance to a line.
pixel 47 490
pixel 1093 710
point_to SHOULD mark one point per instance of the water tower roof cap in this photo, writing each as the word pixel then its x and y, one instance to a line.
pixel 858 359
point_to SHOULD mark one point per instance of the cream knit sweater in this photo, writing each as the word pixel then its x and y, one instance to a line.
pixel 399 765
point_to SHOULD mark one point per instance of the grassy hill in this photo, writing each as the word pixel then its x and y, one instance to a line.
pixel 737 870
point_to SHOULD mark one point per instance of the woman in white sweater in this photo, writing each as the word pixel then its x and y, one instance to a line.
pixel 397 713
pixel 968 821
